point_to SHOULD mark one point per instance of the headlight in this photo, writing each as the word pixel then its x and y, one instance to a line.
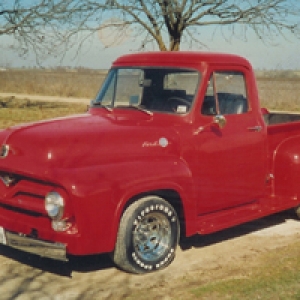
pixel 54 205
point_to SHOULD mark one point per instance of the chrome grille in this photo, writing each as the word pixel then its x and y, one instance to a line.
pixel 8 179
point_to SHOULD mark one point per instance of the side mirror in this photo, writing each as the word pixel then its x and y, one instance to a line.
pixel 220 120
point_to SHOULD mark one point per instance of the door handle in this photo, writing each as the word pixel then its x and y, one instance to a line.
pixel 255 128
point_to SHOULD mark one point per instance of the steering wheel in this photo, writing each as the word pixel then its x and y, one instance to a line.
pixel 173 102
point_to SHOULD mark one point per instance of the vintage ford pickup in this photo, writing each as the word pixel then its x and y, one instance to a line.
pixel 174 144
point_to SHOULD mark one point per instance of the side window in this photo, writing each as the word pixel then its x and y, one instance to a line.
pixel 226 94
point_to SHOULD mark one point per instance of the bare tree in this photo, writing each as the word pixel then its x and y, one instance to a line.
pixel 167 23
pixel 38 25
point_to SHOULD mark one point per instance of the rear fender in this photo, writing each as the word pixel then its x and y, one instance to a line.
pixel 286 169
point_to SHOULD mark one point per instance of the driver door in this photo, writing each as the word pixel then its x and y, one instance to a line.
pixel 231 161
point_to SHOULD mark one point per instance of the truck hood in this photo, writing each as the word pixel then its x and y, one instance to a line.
pixel 81 141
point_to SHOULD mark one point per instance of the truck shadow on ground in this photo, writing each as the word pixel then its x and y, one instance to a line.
pixel 79 264
pixel 92 263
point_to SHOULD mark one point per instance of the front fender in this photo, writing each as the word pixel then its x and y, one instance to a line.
pixel 166 174
pixel 100 195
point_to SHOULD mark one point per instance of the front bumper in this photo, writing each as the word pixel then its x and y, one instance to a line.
pixel 55 251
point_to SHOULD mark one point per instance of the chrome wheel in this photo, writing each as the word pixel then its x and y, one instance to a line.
pixel 152 236
pixel 148 236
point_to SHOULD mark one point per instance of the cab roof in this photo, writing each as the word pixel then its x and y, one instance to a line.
pixel 175 58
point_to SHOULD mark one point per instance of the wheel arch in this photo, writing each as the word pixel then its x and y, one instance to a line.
pixel 173 197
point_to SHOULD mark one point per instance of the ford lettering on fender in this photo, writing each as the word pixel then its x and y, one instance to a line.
pixel 174 144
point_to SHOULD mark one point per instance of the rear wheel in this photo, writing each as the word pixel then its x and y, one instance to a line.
pixel 147 237
pixel 297 211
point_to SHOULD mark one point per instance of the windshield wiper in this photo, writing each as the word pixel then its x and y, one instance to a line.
pixel 148 112
pixel 102 105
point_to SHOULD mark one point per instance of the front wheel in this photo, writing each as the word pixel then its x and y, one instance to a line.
pixel 148 236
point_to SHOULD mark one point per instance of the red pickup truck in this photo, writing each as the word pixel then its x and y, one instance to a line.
pixel 174 144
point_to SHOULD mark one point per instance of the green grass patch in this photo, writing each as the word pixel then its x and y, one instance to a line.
pixel 14 111
pixel 276 277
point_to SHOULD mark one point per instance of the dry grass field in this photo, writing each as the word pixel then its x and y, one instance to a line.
pixel 280 93
pixel 278 90
pixel 60 82
pixel 14 111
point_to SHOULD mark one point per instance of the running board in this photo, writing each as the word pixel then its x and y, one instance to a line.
pixel 227 218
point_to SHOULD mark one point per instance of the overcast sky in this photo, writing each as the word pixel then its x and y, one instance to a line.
pixel 282 53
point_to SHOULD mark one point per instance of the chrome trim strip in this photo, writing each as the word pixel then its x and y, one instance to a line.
pixel 45 249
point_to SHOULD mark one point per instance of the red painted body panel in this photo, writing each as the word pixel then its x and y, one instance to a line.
pixel 284 142
pixel 102 160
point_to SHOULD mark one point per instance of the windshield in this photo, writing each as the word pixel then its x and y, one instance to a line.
pixel 170 90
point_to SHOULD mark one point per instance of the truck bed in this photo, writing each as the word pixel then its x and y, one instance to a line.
pixel 281 126
pixel 281 117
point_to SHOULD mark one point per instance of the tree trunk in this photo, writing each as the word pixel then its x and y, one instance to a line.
pixel 175 45
pixel 162 46
pixel 160 43
pixel 175 42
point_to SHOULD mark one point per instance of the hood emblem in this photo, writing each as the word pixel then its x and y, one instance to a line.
pixel 163 142
pixel 4 151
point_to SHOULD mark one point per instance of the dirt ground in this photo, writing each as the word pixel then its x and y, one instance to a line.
pixel 229 253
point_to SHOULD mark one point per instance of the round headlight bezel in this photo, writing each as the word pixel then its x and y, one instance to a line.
pixel 54 205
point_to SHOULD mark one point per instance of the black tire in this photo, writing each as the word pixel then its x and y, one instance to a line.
pixel 297 211
pixel 148 236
